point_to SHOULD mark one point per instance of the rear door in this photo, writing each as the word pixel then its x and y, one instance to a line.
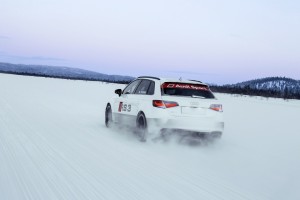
pixel 123 107
pixel 142 99
pixel 135 98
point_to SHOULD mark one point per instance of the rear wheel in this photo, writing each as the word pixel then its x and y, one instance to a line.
pixel 108 116
pixel 141 124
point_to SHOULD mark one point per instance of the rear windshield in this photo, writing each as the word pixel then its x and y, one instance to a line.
pixel 186 89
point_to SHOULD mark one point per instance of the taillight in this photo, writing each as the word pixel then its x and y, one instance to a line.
pixel 216 107
pixel 159 104
pixel 164 104
pixel 170 104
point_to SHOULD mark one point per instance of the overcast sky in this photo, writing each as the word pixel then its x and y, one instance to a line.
pixel 214 41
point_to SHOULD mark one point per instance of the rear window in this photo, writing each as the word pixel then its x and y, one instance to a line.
pixel 186 89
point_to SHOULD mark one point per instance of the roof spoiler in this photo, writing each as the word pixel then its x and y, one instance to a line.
pixel 196 81
pixel 149 77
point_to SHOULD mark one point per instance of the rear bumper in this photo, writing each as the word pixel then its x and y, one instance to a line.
pixel 184 132
pixel 207 125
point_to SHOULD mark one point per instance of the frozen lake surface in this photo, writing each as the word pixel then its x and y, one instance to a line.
pixel 54 145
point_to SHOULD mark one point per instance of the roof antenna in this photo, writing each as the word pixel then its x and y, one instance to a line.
pixel 180 78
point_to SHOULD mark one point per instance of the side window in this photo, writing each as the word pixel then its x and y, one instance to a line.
pixel 143 87
pixel 151 88
pixel 131 87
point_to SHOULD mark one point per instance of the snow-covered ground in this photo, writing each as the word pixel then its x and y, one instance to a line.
pixel 54 145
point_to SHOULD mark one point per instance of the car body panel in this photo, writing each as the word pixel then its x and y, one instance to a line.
pixel 192 114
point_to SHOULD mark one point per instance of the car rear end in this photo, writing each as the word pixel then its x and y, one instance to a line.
pixel 188 107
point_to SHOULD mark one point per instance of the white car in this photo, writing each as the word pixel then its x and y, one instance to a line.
pixel 152 104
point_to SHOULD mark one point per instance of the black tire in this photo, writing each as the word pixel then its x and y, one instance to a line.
pixel 141 125
pixel 108 116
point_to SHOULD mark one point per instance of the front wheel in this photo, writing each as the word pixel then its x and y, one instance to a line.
pixel 108 116
pixel 141 125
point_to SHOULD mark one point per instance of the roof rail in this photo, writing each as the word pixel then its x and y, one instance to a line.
pixel 196 81
pixel 149 77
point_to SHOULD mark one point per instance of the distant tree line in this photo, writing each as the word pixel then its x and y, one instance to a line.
pixel 65 77
pixel 284 92
pixel 247 90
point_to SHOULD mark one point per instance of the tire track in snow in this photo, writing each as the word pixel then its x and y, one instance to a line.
pixel 49 155
pixel 59 150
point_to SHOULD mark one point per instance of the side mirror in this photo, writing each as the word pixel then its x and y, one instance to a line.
pixel 118 92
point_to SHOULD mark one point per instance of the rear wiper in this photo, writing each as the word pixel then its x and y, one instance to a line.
pixel 196 96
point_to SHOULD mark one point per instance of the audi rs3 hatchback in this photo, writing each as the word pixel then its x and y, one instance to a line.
pixel 155 105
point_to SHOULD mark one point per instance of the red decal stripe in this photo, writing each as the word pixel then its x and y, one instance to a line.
pixel 185 86
pixel 120 106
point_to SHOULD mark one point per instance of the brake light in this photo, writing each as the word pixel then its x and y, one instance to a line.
pixel 216 107
pixel 170 104
pixel 159 104
pixel 164 104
